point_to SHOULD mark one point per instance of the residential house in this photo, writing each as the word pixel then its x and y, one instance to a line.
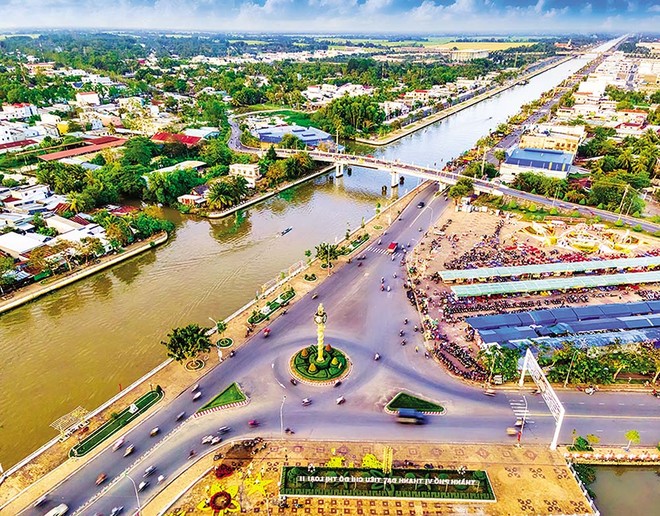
pixel 250 171
pixel 88 98
pixel 18 111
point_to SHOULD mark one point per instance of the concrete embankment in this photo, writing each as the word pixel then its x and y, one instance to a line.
pixel 425 122
pixel 35 291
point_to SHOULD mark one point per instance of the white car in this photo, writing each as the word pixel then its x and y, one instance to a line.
pixel 60 510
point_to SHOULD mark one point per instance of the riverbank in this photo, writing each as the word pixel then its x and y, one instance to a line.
pixel 267 195
pixel 36 290
pixel 436 117
pixel 51 463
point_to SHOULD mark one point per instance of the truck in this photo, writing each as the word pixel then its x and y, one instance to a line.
pixel 392 247
pixel 410 416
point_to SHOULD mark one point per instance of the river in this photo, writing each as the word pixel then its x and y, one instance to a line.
pixel 75 347
pixel 627 490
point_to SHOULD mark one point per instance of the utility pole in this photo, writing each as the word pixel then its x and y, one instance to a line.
pixel 625 192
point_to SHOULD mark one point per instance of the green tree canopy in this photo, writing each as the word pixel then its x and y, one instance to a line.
pixel 187 342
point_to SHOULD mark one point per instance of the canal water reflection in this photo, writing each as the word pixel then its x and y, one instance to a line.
pixel 78 345
pixel 627 490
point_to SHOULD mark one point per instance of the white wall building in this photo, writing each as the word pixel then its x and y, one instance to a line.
pixel 250 171
pixel 17 111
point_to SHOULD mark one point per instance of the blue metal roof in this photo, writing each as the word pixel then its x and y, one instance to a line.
pixel 541 158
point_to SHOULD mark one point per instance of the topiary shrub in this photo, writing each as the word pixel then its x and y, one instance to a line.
pixel 328 348
pixel 312 368
pixel 334 361
pixel 304 353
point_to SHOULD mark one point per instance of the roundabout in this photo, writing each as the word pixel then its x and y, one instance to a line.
pixel 321 363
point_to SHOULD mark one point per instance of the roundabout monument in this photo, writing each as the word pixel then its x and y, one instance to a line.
pixel 320 363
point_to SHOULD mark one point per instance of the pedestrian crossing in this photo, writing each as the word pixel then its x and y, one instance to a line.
pixel 383 250
pixel 520 409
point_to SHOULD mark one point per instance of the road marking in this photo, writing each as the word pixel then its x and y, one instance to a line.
pixel 619 404
pixel 641 404
pixel 601 416
pixel 272 366
pixel 580 402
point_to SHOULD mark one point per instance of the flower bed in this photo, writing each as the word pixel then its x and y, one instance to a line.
pixel 310 277
pixel 225 342
pixel 271 306
pixel 405 400
pixel 232 394
pixel 473 485
pixel 334 364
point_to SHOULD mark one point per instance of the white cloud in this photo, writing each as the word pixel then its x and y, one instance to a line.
pixel 654 8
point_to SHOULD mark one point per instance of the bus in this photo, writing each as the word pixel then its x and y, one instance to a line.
pixel 410 416
pixel 392 247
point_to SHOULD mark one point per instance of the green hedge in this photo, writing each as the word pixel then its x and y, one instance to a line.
pixel 325 370
pixel 291 485
pixel 405 400
pixel 231 394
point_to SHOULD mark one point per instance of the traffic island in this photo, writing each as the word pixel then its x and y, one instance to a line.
pixel 404 400
pixel 320 364
pixel 231 397
pixel 334 366
pixel 116 423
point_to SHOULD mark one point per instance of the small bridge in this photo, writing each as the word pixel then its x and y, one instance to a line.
pixel 394 168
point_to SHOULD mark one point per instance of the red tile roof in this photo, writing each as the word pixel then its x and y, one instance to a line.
pixel 190 141
pixel 124 210
pixel 62 207
pixel 80 220
pixel 79 151
pixel 10 199
pixel 21 143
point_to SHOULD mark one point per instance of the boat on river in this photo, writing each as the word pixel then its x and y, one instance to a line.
pixel 286 231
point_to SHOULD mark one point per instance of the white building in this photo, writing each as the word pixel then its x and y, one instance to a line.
pixel 88 98
pixel 249 171
pixel 18 246
pixel 17 111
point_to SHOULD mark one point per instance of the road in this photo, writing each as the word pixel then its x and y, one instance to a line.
pixel 362 320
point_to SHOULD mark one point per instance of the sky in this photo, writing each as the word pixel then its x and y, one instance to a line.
pixel 338 16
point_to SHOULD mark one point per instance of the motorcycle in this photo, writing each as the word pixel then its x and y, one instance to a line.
pixel 403 342
pixel 293 381
pixel 180 416
pixel 341 400
pixel 589 391
pixel 101 478
pixel 405 321
pixel 388 288
pixel 197 395
pixel 359 264
pixel 400 333
pixel 266 332
pixel 253 423
pixel 154 431
pixel 376 356
pixel 289 431
pixel 382 287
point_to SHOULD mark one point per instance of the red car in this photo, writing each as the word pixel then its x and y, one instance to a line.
pixel 392 247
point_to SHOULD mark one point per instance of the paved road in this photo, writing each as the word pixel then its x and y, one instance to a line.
pixel 362 320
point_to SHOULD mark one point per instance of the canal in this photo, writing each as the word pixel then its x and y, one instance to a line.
pixel 77 346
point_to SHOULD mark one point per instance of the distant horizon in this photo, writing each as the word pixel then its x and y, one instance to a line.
pixel 336 16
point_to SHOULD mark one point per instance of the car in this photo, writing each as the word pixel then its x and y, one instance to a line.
pixel 421 204
pixel 224 429
pixel 306 401
pixel 60 510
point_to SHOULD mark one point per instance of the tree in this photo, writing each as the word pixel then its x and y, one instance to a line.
pixel 462 188
pixel 187 342
pixel 291 141
pixel 503 361
pixel 139 151
pixel 216 152
pixel 221 326
pixel 326 253
pixel 500 155
pixel 633 438
pixel 6 265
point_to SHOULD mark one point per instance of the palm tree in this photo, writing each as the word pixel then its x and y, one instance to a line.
pixel 220 195
pixel 626 158
pixel 327 252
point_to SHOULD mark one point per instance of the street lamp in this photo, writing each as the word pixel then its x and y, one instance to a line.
pixel 569 368
pixel 282 417
pixel 137 496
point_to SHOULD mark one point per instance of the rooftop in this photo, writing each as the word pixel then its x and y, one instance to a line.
pixel 539 155
pixel 548 268
pixel 513 287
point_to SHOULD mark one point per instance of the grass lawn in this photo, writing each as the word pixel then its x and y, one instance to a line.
pixel 115 424
pixel 294 117
pixel 405 400
pixel 231 394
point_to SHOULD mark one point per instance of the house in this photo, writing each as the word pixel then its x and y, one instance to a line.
pixel 18 111
pixel 90 98
pixel 553 138
pixel 551 163
pixel 462 56
pixel 17 145
pixel 198 166
pixel 18 246
pixel 191 200
pixel 205 133
pixel 164 137
pixel 250 171
pixel 61 224
pixel 421 96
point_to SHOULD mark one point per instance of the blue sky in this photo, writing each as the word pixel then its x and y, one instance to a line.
pixel 400 16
